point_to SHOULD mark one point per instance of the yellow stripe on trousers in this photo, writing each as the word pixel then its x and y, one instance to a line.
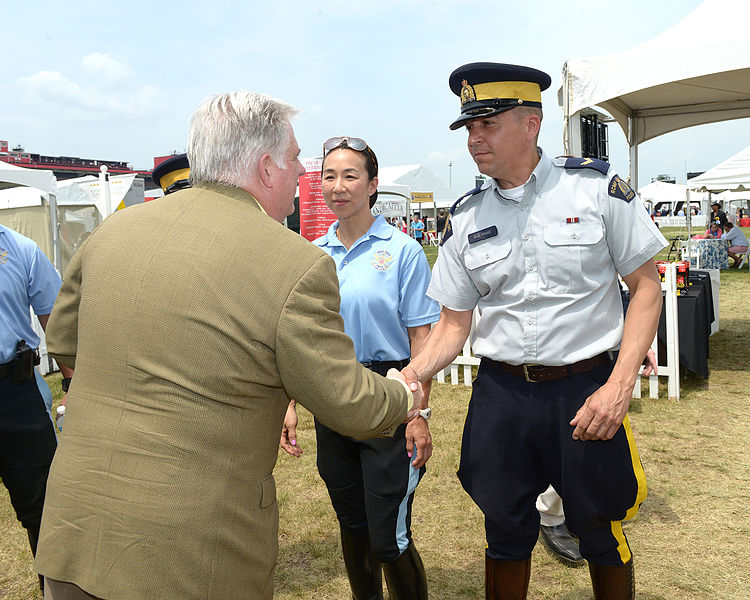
pixel 640 476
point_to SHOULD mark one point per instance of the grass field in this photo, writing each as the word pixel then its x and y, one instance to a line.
pixel 690 539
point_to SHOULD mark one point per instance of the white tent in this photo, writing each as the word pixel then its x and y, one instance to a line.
pixel 696 72
pixel 732 174
pixel 420 179
pixel 13 176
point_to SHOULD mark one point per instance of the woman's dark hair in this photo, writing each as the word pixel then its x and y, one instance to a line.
pixel 370 165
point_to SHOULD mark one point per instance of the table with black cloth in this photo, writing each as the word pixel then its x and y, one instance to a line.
pixel 695 313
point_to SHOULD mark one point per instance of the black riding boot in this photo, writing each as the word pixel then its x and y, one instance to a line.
pixel 362 567
pixel 613 582
pixel 405 576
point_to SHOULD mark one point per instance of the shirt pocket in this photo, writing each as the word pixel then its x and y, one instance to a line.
pixel 487 265
pixel 572 253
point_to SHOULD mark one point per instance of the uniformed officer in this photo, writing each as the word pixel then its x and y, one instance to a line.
pixel 538 249
pixel 172 174
pixel 27 434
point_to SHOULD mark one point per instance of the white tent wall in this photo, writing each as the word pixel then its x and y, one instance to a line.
pixel 731 174
pixel 26 210
pixel 694 73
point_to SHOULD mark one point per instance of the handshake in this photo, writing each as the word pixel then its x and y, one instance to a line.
pixel 408 379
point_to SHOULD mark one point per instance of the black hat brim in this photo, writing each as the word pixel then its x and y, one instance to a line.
pixel 466 117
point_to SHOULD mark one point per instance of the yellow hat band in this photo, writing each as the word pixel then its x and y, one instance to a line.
pixel 169 178
pixel 521 90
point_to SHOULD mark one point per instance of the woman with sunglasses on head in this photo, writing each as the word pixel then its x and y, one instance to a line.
pixel 383 279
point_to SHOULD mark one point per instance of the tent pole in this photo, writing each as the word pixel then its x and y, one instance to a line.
pixel 633 143
pixel 57 256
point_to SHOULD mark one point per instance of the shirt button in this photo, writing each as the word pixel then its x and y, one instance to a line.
pixel 574 236
pixel 486 255
pixel 525 237
pixel 522 207
pixel 530 268
pixel 530 295
pixel 530 321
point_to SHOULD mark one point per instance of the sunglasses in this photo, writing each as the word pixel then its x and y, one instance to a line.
pixel 353 143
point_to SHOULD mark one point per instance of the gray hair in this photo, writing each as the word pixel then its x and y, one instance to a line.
pixel 229 133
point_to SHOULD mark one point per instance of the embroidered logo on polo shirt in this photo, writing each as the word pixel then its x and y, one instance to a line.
pixel 3 256
pixel 382 260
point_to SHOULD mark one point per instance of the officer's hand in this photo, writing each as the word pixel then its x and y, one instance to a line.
pixel 418 441
pixel 289 432
pixel 416 389
pixel 602 414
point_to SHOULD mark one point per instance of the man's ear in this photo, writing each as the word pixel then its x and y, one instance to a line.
pixel 534 124
pixel 266 170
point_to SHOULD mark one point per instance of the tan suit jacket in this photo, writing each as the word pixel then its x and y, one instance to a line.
pixel 190 321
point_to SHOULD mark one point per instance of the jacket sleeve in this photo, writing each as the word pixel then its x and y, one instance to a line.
pixel 62 327
pixel 318 366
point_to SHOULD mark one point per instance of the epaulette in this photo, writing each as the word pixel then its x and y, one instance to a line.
pixel 583 163
pixel 468 194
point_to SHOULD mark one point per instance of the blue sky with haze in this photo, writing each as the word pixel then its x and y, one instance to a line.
pixel 119 81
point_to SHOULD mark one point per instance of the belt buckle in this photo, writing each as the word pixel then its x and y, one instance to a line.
pixel 526 372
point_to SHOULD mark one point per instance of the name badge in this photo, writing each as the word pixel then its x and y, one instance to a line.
pixel 478 236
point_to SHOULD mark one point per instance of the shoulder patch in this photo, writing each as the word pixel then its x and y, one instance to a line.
pixel 619 189
pixel 447 232
pixel 468 194
pixel 584 163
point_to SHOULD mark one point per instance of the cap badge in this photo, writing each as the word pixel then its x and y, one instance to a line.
pixel 467 93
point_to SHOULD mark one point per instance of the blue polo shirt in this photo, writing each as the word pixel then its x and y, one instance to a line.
pixel 27 278
pixel 383 281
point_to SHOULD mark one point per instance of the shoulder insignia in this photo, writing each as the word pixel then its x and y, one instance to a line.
pixel 468 194
pixel 619 189
pixel 583 163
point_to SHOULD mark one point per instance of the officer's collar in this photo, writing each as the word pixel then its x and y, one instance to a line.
pixel 538 175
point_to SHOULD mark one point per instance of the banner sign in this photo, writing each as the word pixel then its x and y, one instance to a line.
pixel 314 216
pixel 420 197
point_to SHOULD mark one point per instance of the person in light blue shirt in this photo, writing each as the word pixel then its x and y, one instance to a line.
pixel 27 434
pixel 383 278
pixel 417 228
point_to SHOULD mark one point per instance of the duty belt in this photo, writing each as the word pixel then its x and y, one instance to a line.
pixel 541 374
pixel 6 370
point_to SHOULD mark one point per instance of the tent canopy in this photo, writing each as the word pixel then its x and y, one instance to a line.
pixel 13 176
pixel 732 174
pixel 694 73
pixel 419 178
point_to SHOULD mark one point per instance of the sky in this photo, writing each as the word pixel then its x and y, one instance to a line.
pixel 119 81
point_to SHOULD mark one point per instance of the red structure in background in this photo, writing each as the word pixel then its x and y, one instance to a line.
pixel 65 167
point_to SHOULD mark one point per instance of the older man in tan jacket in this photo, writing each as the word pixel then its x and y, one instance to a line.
pixel 191 321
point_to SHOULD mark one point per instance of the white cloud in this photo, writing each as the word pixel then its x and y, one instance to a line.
pixel 53 91
pixel 109 70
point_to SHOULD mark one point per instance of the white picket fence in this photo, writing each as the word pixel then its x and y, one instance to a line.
pixel 669 369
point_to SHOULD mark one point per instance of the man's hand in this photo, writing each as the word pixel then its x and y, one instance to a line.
pixel 289 431
pixel 418 441
pixel 603 412
pixel 416 393
pixel 651 365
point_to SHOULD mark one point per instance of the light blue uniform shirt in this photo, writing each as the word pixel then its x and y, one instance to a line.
pixel 27 278
pixel 383 281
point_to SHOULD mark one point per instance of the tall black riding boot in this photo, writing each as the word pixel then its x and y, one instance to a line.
pixel 506 579
pixel 362 567
pixel 613 582
pixel 405 576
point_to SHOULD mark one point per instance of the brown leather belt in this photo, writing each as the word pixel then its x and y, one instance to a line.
pixel 542 374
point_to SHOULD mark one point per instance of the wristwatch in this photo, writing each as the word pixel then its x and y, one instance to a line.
pixel 65 384
pixel 425 413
